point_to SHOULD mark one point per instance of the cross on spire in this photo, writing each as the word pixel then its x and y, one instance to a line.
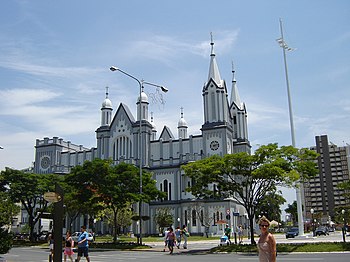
pixel 107 91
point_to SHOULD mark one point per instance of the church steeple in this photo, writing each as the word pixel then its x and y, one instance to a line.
pixel 214 72
pixel 182 126
pixel 234 91
pixel 144 105
pixel 154 129
pixel 106 110
pixel 215 94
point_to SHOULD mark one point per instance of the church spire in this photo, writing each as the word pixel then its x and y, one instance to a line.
pixel 234 91
pixel 213 68
pixel 106 110
pixel 182 126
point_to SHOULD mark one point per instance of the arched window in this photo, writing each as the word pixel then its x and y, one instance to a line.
pixel 202 217
pixel 122 148
pixel 194 218
pixel 165 183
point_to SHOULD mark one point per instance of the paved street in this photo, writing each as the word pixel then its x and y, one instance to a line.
pixel 41 255
pixel 155 254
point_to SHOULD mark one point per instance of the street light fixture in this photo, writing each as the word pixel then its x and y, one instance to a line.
pixel 312 221
pixel 285 48
pixel 344 229
pixel 141 83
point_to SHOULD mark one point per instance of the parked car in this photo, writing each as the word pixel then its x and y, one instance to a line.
pixel 293 232
pixel 76 235
pixel 321 231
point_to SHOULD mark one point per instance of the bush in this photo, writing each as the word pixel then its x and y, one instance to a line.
pixel 5 241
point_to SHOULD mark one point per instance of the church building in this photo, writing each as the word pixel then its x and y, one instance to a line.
pixel 224 131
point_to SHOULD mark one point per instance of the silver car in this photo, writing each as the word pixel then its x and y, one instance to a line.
pixel 76 235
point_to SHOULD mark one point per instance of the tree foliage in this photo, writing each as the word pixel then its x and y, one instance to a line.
pixel 99 185
pixel 28 189
pixel 8 209
pixel 292 210
pixel 248 178
pixel 270 206
pixel 163 218
pixel 346 187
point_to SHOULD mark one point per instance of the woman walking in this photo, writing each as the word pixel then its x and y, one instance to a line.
pixel 185 235
pixel 68 247
pixel 171 240
pixel 266 243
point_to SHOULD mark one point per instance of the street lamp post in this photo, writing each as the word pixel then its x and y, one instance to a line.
pixel 141 83
pixel 312 221
pixel 344 229
pixel 285 48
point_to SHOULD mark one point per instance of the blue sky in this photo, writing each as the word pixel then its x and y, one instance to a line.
pixel 55 55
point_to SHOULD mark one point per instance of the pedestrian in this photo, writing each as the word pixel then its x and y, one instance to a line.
pixel 51 246
pixel 240 234
pixel 228 232
pixel 178 237
pixel 68 247
pixel 185 235
pixel 166 239
pixel 171 240
pixel 83 244
pixel 266 243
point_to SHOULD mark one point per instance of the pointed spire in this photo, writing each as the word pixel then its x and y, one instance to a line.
pixel 213 69
pixel 152 122
pixel 234 92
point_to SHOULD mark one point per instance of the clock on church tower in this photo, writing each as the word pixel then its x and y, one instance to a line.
pixel 45 162
pixel 214 145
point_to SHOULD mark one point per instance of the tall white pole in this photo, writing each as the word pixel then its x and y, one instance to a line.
pixel 298 186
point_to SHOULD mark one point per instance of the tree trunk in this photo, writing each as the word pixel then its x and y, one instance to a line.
pixel 31 229
pixel 251 222
pixel 115 224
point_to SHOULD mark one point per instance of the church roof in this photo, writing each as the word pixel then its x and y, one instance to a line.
pixel 166 134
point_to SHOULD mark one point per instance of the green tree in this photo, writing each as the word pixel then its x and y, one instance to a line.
pixel 270 206
pixel 82 185
pixel 28 189
pixel 248 178
pixel 292 210
pixel 8 210
pixel 163 218
pixel 346 187
pixel 100 185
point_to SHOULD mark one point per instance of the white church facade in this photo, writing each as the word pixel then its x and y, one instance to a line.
pixel 224 131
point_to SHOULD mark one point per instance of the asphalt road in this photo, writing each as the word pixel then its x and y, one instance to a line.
pixel 40 255
pixel 192 254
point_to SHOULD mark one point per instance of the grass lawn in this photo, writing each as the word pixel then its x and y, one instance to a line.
pixel 288 248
